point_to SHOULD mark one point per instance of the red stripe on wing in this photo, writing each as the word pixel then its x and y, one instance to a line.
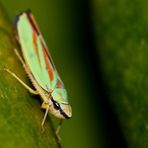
pixel 48 66
pixel 35 46
pixel 33 22
pixel 59 84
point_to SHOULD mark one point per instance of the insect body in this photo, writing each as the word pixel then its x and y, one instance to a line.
pixel 40 67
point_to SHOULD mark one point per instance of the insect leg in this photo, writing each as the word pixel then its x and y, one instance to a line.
pixel 19 57
pixel 45 115
pixel 21 82
pixel 58 130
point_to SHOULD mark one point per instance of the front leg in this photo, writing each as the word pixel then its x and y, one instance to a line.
pixel 45 105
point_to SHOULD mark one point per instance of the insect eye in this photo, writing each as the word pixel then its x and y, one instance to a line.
pixel 56 105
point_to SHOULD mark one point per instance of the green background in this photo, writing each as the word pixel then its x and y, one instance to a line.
pixel 100 49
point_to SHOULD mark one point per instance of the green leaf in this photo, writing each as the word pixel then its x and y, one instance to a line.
pixel 21 114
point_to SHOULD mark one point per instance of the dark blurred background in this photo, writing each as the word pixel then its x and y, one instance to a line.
pixel 68 29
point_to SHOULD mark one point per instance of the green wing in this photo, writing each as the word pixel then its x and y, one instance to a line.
pixel 35 52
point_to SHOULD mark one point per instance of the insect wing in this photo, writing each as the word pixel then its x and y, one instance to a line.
pixel 35 52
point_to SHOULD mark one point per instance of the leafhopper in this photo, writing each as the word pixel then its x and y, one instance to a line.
pixel 39 66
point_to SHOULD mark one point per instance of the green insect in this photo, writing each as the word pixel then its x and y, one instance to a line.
pixel 40 68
